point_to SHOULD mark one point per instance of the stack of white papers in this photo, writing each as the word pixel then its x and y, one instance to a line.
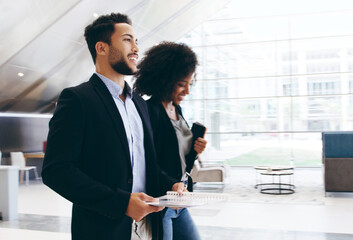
pixel 189 199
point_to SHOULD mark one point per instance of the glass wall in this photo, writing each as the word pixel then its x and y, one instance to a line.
pixel 268 85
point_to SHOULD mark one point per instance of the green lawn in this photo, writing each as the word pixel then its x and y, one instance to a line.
pixel 277 156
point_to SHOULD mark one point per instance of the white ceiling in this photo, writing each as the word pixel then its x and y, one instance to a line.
pixel 43 39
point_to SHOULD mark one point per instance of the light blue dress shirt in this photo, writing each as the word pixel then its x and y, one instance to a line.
pixel 134 132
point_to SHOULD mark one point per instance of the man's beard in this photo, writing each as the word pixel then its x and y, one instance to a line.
pixel 118 63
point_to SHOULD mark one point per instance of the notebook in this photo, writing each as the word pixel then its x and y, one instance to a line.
pixel 189 199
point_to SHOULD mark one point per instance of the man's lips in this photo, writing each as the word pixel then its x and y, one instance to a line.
pixel 133 57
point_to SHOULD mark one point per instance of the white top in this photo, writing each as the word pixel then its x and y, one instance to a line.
pixel 184 136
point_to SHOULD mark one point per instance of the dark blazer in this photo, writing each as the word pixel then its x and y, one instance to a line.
pixel 166 142
pixel 87 161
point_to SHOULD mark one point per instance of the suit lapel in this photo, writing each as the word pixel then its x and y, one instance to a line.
pixel 148 139
pixel 112 110
pixel 141 111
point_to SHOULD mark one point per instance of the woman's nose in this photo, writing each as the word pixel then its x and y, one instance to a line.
pixel 187 89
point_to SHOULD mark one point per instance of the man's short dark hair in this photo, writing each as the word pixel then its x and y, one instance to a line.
pixel 102 30
pixel 163 66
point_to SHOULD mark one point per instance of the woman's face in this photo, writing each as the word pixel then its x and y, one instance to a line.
pixel 182 89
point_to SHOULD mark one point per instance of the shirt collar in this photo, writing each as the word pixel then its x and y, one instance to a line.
pixel 114 88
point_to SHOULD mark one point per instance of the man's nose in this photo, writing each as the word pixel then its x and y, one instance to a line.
pixel 135 47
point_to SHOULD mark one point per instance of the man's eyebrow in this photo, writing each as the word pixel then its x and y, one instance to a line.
pixel 127 34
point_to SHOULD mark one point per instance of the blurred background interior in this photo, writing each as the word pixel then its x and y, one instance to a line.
pixel 273 76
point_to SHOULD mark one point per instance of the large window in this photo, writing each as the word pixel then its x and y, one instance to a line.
pixel 269 84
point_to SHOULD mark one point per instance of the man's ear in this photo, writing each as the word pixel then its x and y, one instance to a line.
pixel 102 48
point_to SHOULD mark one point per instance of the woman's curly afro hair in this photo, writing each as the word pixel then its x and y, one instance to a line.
pixel 162 67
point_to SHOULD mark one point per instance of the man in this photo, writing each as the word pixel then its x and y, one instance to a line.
pixel 100 153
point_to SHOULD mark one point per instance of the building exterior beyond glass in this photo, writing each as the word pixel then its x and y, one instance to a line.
pixel 268 85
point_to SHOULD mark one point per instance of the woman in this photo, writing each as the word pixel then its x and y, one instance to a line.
pixel 165 74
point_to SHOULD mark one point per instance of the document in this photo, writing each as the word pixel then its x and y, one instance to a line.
pixel 189 199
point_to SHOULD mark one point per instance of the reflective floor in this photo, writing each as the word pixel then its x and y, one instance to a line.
pixel 306 215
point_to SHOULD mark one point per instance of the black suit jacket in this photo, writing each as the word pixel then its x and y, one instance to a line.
pixel 166 142
pixel 87 161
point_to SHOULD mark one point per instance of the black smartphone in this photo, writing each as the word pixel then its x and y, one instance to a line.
pixel 198 130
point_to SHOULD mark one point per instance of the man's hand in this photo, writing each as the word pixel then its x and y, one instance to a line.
pixel 138 209
pixel 200 145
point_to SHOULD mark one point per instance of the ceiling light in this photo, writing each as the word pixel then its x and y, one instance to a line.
pixel 20 74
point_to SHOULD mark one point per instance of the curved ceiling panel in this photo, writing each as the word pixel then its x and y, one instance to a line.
pixel 43 49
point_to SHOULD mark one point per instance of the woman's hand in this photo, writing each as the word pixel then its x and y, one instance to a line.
pixel 200 145
pixel 180 188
